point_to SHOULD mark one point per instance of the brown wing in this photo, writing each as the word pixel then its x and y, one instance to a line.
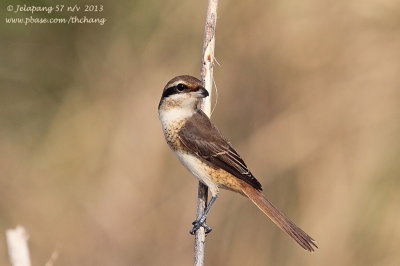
pixel 203 138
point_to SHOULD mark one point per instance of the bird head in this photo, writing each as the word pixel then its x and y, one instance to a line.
pixel 182 92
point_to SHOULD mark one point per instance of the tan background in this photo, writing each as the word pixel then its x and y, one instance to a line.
pixel 308 94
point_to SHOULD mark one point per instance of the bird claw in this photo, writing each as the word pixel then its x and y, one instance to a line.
pixel 200 223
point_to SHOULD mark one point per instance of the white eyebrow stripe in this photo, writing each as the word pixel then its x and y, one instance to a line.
pixel 176 83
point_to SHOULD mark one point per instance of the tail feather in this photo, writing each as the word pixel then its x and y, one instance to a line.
pixel 284 223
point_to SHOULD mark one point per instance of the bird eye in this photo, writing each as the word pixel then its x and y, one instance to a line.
pixel 180 87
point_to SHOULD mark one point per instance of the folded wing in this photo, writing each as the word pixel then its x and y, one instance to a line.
pixel 201 137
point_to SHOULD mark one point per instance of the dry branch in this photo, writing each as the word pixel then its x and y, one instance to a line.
pixel 207 79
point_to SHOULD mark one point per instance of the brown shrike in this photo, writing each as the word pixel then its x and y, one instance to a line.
pixel 203 150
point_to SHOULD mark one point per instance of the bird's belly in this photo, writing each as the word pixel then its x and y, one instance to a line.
pixel 212 177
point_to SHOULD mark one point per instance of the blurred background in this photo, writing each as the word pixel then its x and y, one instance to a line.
pixel 308 93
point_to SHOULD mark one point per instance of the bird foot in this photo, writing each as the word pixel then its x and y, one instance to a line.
pixel 200 223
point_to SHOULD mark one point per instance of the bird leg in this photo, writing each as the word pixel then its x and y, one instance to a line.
pixel 200 221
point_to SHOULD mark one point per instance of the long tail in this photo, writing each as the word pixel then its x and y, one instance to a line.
pixel 301 237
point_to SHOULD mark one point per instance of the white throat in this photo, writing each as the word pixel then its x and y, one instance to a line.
pixel 173 115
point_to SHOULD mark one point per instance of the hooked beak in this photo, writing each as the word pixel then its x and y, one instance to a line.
pixel 201 93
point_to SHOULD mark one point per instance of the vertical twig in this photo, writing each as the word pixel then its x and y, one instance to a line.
pixel 207 61
pixel 200 236
pixel 207 78
pixel 17 242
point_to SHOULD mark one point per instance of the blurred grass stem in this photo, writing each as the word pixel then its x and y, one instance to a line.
pixel 17 243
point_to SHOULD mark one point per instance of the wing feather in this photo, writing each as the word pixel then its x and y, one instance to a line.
pixel 200 136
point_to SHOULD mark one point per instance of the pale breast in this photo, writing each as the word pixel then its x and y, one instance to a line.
pixel 172 121
pixel 171 135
